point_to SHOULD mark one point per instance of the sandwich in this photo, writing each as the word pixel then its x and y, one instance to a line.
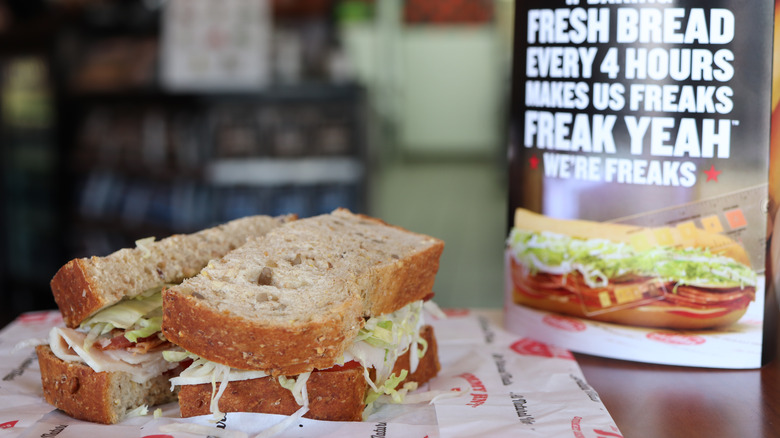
pixel 319 318
pixel 679 277
pixel 107 361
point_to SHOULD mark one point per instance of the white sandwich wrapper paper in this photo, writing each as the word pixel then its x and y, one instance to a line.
pixel 494 384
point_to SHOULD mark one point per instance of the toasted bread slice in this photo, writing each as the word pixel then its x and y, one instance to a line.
pixel 106 397
pixel 84 286
pixel 293 300
pixel 334 395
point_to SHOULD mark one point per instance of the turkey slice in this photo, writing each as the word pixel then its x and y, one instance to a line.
pixel 68 345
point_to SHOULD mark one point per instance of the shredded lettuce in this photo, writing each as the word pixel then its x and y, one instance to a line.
pixel 148 327
pixel 126 313
pixel 380 343
pixel 139 411
pixel 144 245
pixel 297 386
pixel 379 334
pixel 140 317
pixel 434 310
pixel 421 351
pixel 221 374
pixel 95 331
pixel 388 387
pixel 178 355
pixel 599 260
pixel 203 371
pixel 383 339
pixel 430 396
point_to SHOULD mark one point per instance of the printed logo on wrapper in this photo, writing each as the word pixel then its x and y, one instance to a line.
pixel 530 347
pixel 45 317
pixel 8 424
pixel 565 323
pixel 676 338
pixel 456 313
pixel 479 393
pixel 576 427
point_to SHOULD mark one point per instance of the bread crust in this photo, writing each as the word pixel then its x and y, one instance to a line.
pixel 404 282
pixel 80 287
pixel 82 393
pixel 76 294
pixel 277 349
pixel 333 395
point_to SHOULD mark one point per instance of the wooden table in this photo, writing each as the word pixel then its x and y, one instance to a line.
pixel 664 401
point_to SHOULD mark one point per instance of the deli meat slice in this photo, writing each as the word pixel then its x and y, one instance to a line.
pixel 708 296
pixel 68 344
pixel 140 346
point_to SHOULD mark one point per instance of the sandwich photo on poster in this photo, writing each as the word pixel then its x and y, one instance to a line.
pixel 623 274
pixel 639 181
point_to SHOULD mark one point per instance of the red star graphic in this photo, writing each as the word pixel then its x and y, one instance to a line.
pixel 712 174
pixel 534 162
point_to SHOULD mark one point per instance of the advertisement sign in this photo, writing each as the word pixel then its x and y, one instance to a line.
pixel 641 176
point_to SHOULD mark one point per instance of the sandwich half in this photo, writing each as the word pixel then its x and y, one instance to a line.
pixel 316 318
pixel 107 360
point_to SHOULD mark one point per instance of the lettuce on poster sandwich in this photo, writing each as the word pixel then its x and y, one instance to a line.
pixel 606 278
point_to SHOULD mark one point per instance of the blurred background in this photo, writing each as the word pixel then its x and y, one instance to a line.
pixel 123 119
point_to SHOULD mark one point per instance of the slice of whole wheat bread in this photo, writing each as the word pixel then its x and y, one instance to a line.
pixel 293 300
pixel 104 397
pixel 84 286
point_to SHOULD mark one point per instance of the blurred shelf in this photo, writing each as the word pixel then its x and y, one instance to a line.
pixel 272 172
pixel 303 91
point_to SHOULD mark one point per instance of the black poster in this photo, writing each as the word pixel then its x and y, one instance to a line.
pixel 644 125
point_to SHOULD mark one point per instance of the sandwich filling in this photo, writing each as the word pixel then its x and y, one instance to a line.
pixel 599 260
pixel 125 337
pixel 600 273
pixel 381 341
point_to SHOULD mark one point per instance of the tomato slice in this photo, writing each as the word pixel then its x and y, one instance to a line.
pixel 347 366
